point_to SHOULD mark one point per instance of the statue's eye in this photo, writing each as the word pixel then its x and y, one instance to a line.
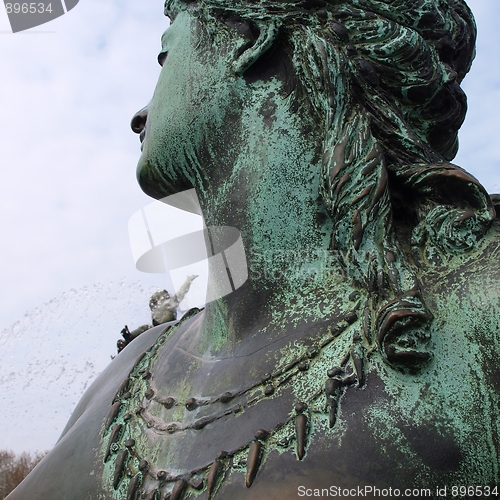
pixel 162 56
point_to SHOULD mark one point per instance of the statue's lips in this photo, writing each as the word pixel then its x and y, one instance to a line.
pixel 142 137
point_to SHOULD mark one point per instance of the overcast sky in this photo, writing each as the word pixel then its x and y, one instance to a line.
pixel 68 157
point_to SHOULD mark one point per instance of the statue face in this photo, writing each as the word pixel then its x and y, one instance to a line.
pixel 187 110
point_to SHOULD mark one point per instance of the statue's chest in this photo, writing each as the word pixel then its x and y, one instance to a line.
pixel 178 418
pixel 329 412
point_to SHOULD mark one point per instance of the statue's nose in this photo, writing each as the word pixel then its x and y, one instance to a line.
pixel 138 122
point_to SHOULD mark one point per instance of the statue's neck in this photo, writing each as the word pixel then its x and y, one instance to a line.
pixel 286 234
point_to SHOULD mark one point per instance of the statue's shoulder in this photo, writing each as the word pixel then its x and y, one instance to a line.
pixel 463 294
pixel 481 259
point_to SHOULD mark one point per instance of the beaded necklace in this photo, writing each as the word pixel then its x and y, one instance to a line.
pixel 131 472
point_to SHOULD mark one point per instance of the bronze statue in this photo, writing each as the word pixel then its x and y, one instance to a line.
pixel 362 353
pixel 163 309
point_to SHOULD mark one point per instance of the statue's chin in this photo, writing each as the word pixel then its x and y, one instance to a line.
pixel 152 182
pixel 163 187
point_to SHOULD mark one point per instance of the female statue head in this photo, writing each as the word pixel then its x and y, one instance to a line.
pixel 376 88
pixel 396 69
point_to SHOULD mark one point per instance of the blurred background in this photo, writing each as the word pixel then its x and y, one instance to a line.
pixel 68 282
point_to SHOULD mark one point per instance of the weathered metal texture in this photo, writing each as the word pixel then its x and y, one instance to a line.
pixel 364 347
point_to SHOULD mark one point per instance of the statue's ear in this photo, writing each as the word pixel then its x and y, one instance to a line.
pixel 268 32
